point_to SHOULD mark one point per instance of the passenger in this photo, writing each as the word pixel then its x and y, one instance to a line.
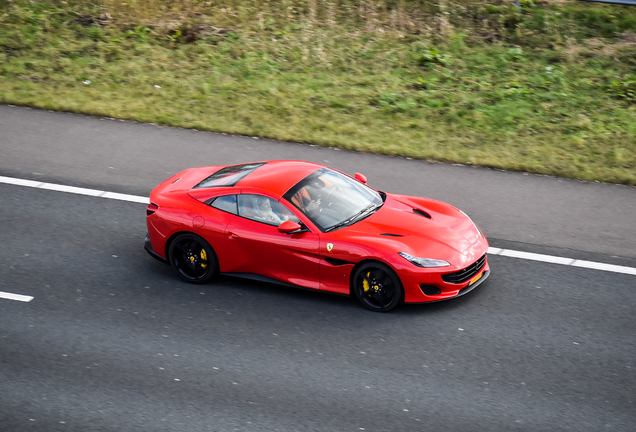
pixel 264 212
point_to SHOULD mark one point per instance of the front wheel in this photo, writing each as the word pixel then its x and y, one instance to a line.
pixel 377 287
pixel 193 258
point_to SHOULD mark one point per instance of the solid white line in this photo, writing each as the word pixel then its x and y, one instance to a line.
pixel 70 189
pixel 604 267
pixel 536 257
pixel 492 251
pixel 74 190
pixel 17 297
pixel 562 260
pixel 19 182
pixel 126 197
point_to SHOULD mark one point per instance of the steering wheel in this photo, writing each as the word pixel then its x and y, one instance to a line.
pixel 333 188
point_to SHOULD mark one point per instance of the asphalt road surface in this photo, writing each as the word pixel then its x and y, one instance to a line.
pixel 114 341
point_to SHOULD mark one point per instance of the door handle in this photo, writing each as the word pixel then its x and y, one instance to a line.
pixel 233 236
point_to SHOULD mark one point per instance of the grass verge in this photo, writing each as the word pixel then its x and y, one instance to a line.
pixel 549 89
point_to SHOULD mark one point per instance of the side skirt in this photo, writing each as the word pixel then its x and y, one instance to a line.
pixel 261 278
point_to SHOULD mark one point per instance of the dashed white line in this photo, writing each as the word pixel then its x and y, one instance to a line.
pixel 17 297
pixel 492 251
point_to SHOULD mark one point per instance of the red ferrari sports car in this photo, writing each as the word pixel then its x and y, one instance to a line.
pixel 308 225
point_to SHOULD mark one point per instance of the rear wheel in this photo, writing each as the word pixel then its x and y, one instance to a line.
pixel 377 287
pixel 193 258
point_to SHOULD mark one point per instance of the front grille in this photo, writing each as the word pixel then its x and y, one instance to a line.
pixel 465 274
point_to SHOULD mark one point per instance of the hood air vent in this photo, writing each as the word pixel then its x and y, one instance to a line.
pixel 392 235
pixel 422 213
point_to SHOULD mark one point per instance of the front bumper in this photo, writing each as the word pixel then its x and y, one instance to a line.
pixel 424 285
pixel 462 291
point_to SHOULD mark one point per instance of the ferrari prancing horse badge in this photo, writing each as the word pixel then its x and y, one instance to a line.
pixel 329 246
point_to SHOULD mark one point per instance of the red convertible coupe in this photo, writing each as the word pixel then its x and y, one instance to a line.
pixel 307 225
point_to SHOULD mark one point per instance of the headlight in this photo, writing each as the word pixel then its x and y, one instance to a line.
pixel 424 262
pixel 474 224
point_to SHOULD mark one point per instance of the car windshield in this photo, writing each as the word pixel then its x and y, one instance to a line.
pixel 332 200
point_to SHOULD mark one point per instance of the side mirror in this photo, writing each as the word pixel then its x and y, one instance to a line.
pixel 361 178
pixel 289 227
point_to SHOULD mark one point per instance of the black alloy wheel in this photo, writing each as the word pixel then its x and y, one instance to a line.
pixel 193 258
pixel 377 287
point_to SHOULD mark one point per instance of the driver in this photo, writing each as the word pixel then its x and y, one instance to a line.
pixel 309 197
pixel 308 200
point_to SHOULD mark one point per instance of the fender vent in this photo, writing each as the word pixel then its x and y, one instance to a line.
pixel 422 213
pixel 337 262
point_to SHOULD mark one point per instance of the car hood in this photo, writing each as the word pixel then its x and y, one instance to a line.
pixel 418 226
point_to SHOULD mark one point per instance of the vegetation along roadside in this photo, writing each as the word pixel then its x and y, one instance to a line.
pixel 549 88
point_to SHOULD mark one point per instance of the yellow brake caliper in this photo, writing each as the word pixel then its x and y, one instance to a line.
pixel 204 257
pixel 367 287
pixel 365 283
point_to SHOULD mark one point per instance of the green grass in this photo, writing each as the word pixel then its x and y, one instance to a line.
pixel 549 89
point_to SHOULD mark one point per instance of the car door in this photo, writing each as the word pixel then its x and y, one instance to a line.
pixel 256 246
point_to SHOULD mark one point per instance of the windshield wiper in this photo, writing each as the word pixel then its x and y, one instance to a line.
pixel 356 216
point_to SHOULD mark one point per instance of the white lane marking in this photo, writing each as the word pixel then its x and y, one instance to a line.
pixel 492 251
pixel 17 297
pixel 74 190
pixel 535 257
pixel 70 189
pixel 604 267
pixel 126 197
pixel 561 260
pixel 19 182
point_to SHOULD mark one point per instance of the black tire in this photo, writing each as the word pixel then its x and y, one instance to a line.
pixel 193 258
pixel 377 287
